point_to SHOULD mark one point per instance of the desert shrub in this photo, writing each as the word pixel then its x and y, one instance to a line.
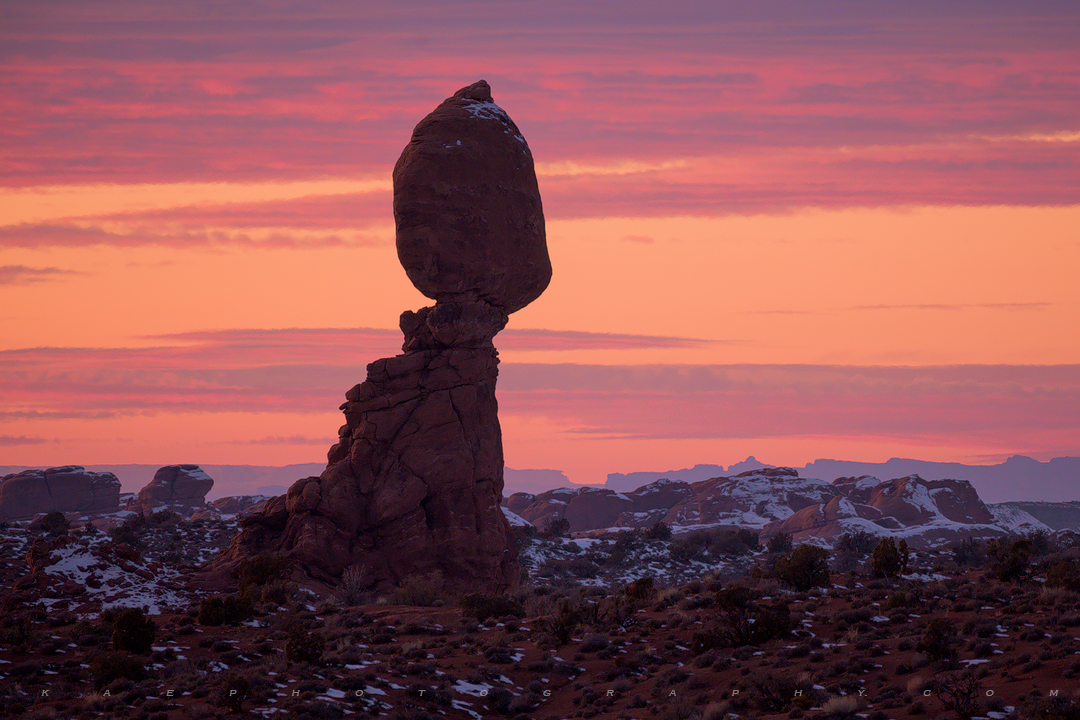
pixel 735 614
pixel 705 544
pixel 1049 708
pixel 900 599
pixel 130 531
pixel 483 606
pixel 594 643
pixel 236 690
pixel 53 523
pixel 350 591
pixel 777 692
pixel 969 552
pixel 1041 542
pixel 133 631
pixel 640 589
pixel 860 543
pixel 225 610
pixel 523 534
pixel 888 559
pixel 960 693
pixel 744 621
pixel 781 542
pixel 1010 562
pixel 262 570
pixel 772 621
pixel 559 527
pixel 804 567
pixel 659 531
pixel 164 517
pixel 116 665
pixel 1064 574
pixel 736 542
pixel 565 621
pixel 841 706
pixel 419 590
pixel 939 641
pixel 304 646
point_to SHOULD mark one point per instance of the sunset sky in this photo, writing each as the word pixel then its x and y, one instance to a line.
pixel 790 229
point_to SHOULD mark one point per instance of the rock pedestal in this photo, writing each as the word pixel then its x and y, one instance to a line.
pixel 414 485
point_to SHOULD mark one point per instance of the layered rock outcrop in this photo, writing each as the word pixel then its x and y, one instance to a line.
pixel 180 488
pixel 589 508
pixel 64 489
pixel 774 500
pixel 414 485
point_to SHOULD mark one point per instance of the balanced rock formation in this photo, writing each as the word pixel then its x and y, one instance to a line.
pixel 414 485
pixel 180 488
pixel 64 489
pixel 468 157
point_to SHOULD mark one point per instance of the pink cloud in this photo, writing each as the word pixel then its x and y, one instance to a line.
pixel 20 274
pixel 940 106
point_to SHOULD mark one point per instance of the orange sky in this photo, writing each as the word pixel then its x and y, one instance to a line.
pixel 787 236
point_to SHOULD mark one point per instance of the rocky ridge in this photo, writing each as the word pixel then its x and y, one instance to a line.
pixel 775 500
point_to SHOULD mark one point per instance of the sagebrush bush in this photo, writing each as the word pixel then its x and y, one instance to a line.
pixel 419 590
pixel 483 606
pixel 133 631
pixel 351 591
pixel 1064 574
pixel 114 666
pixel 225 610
pixel 262 570
pixel 805 567
pixel 305 646
pixel 640 589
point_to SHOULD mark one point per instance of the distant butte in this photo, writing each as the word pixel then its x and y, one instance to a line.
pixel 414 485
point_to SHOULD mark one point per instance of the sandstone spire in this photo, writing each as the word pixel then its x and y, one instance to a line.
pixel 414 485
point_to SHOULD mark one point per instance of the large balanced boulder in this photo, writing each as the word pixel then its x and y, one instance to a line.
pixel 470 224
pixel 414 485
pixel 64 489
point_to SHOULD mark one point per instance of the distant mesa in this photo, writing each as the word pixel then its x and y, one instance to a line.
pixel 414 485
pixel 68 489
pixel 1018 479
